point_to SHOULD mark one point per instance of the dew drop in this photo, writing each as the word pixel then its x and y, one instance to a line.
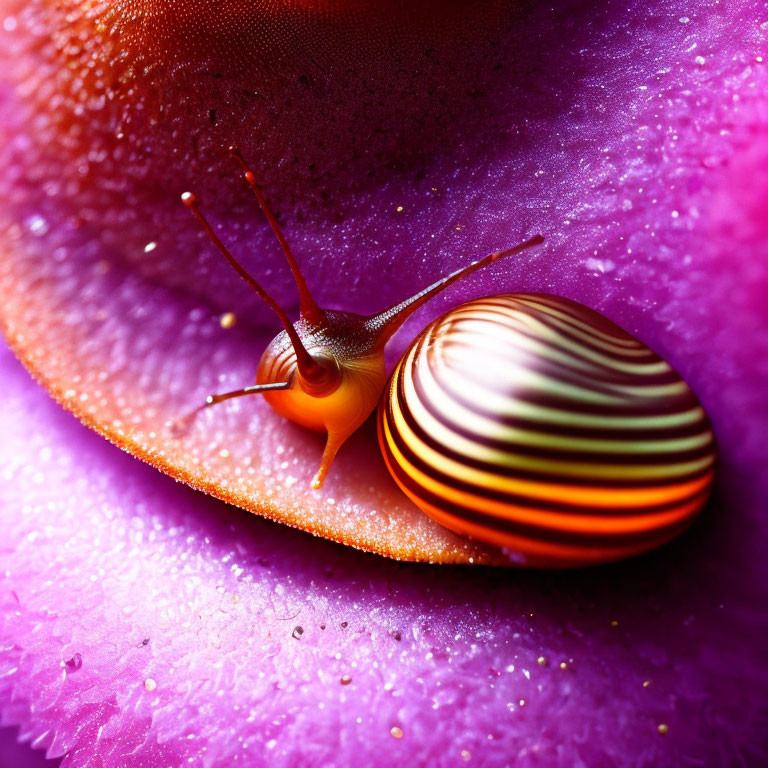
pixel 37 225
pixel 228 320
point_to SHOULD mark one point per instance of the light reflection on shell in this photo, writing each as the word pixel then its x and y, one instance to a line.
pixel 532 423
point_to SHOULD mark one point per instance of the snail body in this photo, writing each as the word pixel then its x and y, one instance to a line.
pixel 533 423
pixel 526 421
pixel 336 411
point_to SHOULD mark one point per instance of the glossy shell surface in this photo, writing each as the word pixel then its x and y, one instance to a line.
pixel 535 424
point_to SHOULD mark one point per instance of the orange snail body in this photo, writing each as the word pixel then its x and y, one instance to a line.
pixel 528 422
pixel 337 411
pixel 534 424
pixel 344 409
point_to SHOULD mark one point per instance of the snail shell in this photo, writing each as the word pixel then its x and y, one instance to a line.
pixel 532 423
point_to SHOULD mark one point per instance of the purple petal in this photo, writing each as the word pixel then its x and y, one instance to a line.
pixel 648 170
pixel 148 580
pixel 643 165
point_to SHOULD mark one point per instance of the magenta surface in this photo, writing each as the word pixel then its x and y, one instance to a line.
pixel 640 147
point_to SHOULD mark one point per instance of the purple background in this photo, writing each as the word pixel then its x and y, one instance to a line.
pixel 637 140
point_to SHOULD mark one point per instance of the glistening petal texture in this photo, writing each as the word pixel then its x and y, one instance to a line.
pixel 636 142
pixel 144 624
pixel 639 147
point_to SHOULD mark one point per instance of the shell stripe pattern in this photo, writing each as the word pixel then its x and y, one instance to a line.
pixel 535 424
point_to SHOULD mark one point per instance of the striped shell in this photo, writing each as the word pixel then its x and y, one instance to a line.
pixel 534 424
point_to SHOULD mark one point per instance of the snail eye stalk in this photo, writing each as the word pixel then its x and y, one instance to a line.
pixel 387 322
pixel 308 367
pixel 308 307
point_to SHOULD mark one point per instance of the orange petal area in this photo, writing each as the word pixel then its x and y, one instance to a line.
pixel 154 90
pixel 127 357
pixel 120 106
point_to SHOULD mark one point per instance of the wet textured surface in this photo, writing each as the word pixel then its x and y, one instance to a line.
pixel 632 176
pixel 636 141
pixel 114 575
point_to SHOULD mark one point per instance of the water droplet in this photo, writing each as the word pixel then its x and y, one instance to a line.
pixel 37 225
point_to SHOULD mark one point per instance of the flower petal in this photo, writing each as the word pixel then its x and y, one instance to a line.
pixel 144 624
pixel 646 179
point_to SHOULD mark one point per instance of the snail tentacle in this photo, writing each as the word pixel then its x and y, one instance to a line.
pixel 308 366
pixel 308 307
pixel 387 322
pixel 256 389
pixel 181 425
pixel 332 445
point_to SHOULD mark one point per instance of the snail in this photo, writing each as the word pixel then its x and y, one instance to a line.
pixel 533 423
pixel 525 421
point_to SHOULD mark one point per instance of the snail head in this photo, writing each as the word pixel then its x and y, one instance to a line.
pixel 326 371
